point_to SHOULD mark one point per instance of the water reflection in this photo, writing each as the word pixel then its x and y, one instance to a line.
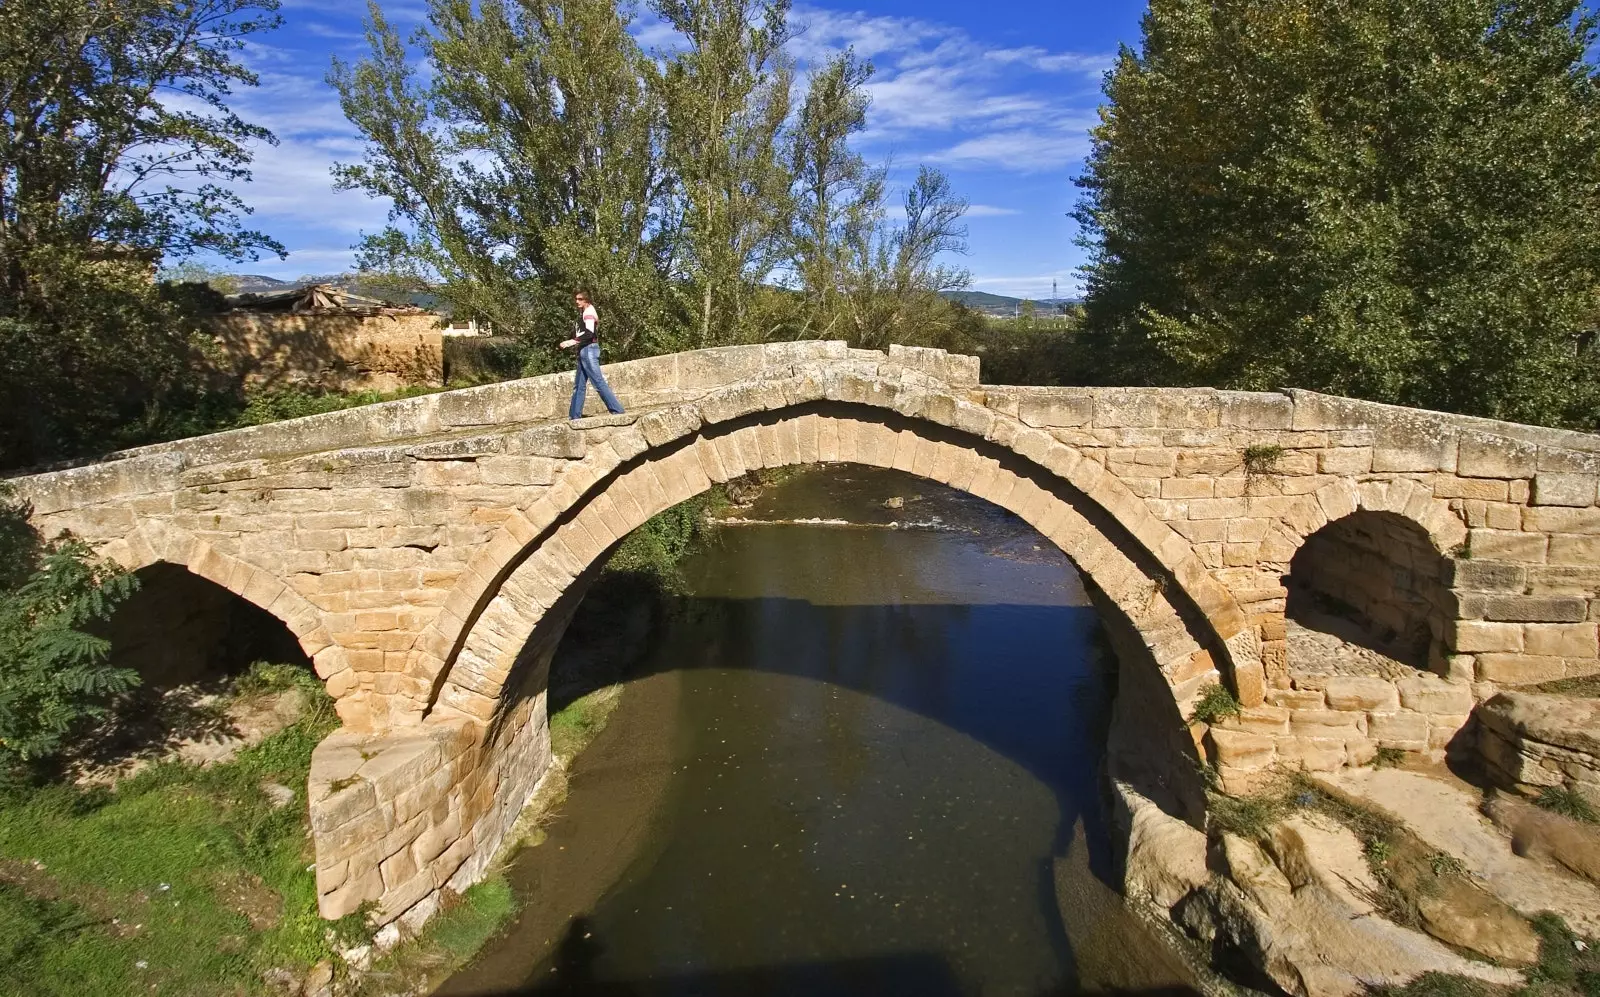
pixel 879 775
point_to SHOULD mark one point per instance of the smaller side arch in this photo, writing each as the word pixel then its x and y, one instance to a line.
pixel 1406 497
pixel 152 542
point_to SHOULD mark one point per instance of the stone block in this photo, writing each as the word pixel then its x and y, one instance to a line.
pixel 1261 720
pixel 1056 409
pixel 1320 722
pixel 1482 635
pixel 1520 669
pixel 1477 575
pixel 1255 410
pixel 1403 730
pixel 1241 749
pixel 1505 545
pixel 1535 609
pixel 1430 694
pixel 1357 692
pixel 1561 519
pixel 1345 460
pixel 1315 754
pixel 1554 488
pixel 1484 455
pixel 1566 640
pixel 1574 550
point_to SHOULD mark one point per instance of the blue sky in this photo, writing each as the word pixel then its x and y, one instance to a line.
pixel 998 93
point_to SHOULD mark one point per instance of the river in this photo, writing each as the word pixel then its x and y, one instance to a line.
pixel 863 760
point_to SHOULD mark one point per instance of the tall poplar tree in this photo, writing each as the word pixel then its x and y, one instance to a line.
pixel 727 96
pixel 528 165
pixel 1393 199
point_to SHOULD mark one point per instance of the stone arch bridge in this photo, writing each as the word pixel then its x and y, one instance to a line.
pixel 427 554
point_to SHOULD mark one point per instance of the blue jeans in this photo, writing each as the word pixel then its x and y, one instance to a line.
pixel 589 370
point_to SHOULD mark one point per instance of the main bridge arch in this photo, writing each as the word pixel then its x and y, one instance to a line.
pixel 1183 617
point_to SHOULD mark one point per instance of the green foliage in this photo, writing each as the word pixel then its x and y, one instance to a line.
pixel 1247 816
pixel 1215 703
pixel 695 192
pixel 278 404
pixel 661 541
pixel 53 672
pixel 1262 458
pixel 1434 984
pixel 1568 803
pixel 89 343
pixel 1391 199
pixel 462 928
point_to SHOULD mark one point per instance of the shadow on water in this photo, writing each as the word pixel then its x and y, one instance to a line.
pixel 1047 709
pixel 912 974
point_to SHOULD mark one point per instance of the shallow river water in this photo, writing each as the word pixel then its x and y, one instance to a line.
pixel 864 761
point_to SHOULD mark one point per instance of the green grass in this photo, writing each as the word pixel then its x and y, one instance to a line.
pixel 1262 458
pixel 1568 803
pixel 168 869
pixel 462 928
pixel 578 723
pixel 1388 757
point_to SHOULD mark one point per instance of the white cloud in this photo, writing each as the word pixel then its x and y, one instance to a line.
pixel 939 95
pixel 1021 150
pixel 989 211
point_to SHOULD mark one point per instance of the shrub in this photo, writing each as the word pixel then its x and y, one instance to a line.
pixel 1215 703
pixel 53 673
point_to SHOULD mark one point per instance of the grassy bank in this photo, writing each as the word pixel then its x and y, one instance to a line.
pixel 182 880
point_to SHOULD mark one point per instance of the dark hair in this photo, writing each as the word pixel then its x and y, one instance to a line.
pixel 584 295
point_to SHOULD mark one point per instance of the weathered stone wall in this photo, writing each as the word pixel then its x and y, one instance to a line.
pixel 416 548
pixel 331 351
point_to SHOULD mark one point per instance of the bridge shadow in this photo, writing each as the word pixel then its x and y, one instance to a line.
pixel 573 971
pixel 1032 683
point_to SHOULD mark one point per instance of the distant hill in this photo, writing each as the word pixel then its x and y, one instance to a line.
pixel 1000 304
pixel 251 283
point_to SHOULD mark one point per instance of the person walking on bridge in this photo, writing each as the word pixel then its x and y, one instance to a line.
pixel 586 337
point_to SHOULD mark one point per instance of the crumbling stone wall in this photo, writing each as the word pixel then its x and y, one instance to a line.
pixel 332 351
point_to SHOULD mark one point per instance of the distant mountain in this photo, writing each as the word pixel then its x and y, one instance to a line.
pixel 250 283
pixel 1000 304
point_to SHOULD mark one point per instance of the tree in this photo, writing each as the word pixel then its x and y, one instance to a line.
pixel 117 149
pixel 727 98
pixel 1393 199
pixel 836 194
pixel 529 165
pixel 894 283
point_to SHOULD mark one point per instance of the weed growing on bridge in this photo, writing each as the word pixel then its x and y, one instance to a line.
pixel 1215 703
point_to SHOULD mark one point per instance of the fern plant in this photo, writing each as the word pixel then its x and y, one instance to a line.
pixel 54 676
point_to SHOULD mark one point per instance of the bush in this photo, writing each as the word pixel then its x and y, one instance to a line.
pixel 483 359
pixel 53 673
pixel 1215 703
pixel 1568 803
